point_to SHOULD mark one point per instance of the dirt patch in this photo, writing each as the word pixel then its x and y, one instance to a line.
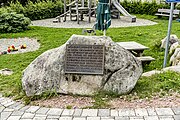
pixel 31 45
pixel 167 101
pixel 65 101
pixel 118 103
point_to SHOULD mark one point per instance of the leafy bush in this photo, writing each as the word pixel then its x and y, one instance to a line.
pixel 12 22
pixel 38 10
pixel 138 7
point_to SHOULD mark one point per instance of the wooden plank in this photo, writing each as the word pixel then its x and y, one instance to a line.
pixel 81 8
pixel 77 11
pixel 132 45
pixel 165 15
pixel 145 58
pixel 70 4
pixel 89 9
pixel 168 11
pixel 64 10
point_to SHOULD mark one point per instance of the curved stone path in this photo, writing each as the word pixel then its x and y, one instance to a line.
pixel 11 110
pixel 123 22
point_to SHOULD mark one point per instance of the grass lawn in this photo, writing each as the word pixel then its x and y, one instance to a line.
pixel 54 37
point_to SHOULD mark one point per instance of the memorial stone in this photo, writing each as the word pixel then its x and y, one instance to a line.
pixel 47 72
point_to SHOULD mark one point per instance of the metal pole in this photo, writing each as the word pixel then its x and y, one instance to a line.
pixel 168 34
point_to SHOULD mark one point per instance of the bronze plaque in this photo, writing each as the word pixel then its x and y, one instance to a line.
pixel 84 59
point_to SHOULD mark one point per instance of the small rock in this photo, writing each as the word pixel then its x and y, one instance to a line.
pixel 173 68
pixel 173 47
pixel 6 71
pixel 175 58
pixel 150 73
pixel 173 39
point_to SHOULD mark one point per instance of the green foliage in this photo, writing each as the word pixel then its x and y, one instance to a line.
pixel 36 11
pixel 17 7
pixel 139 7
pixel 12 22
pixel 158 83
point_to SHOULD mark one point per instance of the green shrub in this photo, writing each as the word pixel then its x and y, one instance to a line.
pixel 17 7
pixel 139 7
pixel 12 22
pixel 39 10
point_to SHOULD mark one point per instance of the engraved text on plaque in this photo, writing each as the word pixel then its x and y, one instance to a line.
pixel 84 59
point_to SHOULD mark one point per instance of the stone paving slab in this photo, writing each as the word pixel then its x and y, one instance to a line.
pixel 93 118
pixel 42 110
pixel 103 112
pixel 141 112
pixel 164 111
pixel 77 112
pixel 151 111
pixel 89 112
pixel 126 112
pixel 54 111
pixel 32 109
pixel 18 111
pixel 114 113
pixel 176 110
pixel 67 112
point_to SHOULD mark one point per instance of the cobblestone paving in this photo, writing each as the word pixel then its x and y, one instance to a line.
pixel 10 110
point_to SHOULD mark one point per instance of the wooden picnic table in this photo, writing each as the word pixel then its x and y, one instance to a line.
pixel 134 47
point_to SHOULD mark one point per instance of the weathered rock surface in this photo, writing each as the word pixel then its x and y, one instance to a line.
pixel 172 68
pixel 175 58
pixel 173 47
pixel 150 73
pixel 173 39
pixel 6 71
pixel 46 72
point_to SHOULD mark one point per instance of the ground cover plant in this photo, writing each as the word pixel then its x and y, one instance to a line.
pixel 12 22
pixel 54 37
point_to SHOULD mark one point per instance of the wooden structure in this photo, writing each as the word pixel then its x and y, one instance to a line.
pixel 137 50
pixel 74 9
pixel 77 9
pixel 166 13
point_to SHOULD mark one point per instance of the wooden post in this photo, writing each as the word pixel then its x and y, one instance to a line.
pixel 89 8
pixel 64 10
pixel 77 11
pixel 95 5
pixel 82 3
pixel 70 14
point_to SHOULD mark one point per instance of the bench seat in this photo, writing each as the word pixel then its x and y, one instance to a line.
pixel 166 13
pixel 145 59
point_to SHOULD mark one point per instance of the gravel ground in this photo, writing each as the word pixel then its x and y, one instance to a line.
pixel 123 22
pixel 31 44
pixel 63 101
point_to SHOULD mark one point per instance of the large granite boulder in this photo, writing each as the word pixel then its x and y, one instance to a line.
pixel 46 72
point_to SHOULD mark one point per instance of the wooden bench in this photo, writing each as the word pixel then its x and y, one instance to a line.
pixel 166 13
pixel 137 50
pixel 145 59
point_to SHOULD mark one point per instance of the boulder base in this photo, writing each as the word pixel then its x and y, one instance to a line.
pixel 46 72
